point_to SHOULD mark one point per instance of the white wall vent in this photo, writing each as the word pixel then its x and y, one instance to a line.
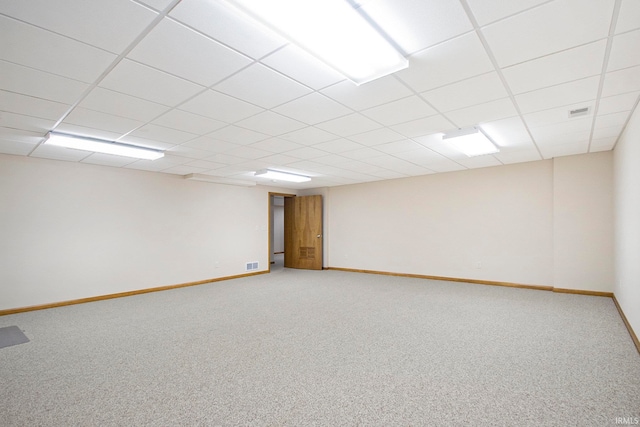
pixel 251 266
pixel 578 112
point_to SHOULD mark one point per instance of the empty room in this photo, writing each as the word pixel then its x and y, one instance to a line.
pixel 337 212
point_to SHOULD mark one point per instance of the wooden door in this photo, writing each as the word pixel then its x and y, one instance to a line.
pixel 303 232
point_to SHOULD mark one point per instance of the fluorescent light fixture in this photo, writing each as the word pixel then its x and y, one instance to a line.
pixel 331 30
pixel 101 146
pixel 471 141
pixel 219 180
pixel 281 176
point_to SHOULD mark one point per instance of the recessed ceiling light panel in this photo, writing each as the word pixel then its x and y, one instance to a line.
pixel 281 176
pixel 101 146
pixel 331 30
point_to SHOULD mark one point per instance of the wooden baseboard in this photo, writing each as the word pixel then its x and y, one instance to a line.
pixel 448 279
pixel 581 292
pixel 634 337
pixel 123 294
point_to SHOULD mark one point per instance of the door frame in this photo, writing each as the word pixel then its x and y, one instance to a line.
pixel 270 208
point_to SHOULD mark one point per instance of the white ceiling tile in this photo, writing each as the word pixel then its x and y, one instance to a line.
pixel 448 62
pixel 509 132
pixel 226 159
pixel 306 153
pixel 248 153
pixel 237 135
pixel 622 45
pixel 313 108
pixel 86 21
pixel 349 125
pixel 183 170
pixel 38 84
pixel 560 130
pixel 332 159
pixel 31 106
pixel 629 16
pixel 487 11
pixel 302 67
pixel 159 5
pixel 219 106
pixel 415 24
pixel 518 156
pixel 21 136
pixel 610 120
pixel 188 122
pixel 398 146
pixel 621 81
pixel 162 134
pixel 560 150
pixel 338 146
pixel 309 136
pixel 617 103
pixel 179 50
pixel 387 174
pixel 607 132
pixel 425 126
pixel 230 28
pixel 192 153
pixel 270 123
pixel 278 160
pixel 472 91
pixel 119 104
pixel 400 111
pixel 135 79
pixel 369 94
pixel 546 30
pixel 159 164
pixel 421 156
pixel 604 144
pixel 557 115
pixel 207 144
pixel 46 51
pixel 572 64
pixel 362 153
pixel 555 96
pixel 487 112
pixel 27 123
pixel 398 165
pixel 376 137
pixel 102 121
pixel 479 162
pixel 205 164
pixel 435 143
pixel 262 86
pixel 108 160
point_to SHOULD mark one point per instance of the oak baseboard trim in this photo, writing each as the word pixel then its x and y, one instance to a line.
pixel 634 337
pixel 124 294
pixel 448 279
pixel 581 292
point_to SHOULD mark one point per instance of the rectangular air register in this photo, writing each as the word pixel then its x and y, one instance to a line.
pixel 307 252
pixel 252 266
pixel 578 112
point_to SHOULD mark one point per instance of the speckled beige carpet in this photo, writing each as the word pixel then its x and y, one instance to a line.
pixel 327 348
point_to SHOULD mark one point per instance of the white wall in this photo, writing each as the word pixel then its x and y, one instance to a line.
pixel 499 219
pixel 627 221
pixel 546 223
pixel 69 230
pixel 583 222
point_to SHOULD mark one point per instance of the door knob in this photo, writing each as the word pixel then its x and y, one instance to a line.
pixel 319 236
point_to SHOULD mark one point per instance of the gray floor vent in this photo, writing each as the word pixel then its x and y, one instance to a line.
pixel 251 266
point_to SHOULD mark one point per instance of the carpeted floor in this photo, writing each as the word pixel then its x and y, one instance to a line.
pixel 324 348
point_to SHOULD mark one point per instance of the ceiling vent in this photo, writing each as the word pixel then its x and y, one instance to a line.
pixel 578 112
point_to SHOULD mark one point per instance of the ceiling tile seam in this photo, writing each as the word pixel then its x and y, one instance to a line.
pixel 438 112
pixel 517 13
pixel 110 68
pixel 551 53
pixel 498 70
pixel 605 63
pixel 423 49
pixel 31 24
